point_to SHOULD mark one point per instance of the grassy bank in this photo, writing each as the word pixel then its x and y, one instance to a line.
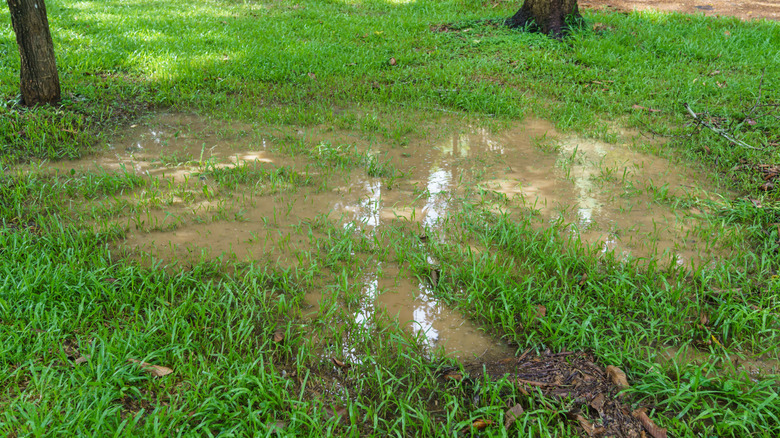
pixel 247 353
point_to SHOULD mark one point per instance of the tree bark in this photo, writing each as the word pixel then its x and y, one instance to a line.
pixel 552 17
pixel 39 81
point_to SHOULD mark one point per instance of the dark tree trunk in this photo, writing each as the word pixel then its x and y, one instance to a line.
pixel 40 82
pixel 551 17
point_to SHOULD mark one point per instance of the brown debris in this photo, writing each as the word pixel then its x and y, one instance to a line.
pixel 512 415
pixel 652 428
pixel 155 370
pixel 617 376
pixel 572 378
pixel 481 424
pixel 590 429
pixel 339 363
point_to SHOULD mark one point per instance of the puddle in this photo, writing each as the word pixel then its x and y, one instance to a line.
pixel 609 194
pixel 388 289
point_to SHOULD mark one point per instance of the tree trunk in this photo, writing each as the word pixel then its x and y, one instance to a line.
pixel 40 82
pixel 551 17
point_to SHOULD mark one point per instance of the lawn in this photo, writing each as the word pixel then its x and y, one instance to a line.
pixel 357 102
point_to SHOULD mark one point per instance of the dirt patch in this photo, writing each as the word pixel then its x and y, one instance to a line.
pixel 746 10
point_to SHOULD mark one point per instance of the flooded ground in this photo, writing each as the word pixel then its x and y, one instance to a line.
pixel 611 196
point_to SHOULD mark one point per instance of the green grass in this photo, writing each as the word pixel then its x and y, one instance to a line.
pixel 68 290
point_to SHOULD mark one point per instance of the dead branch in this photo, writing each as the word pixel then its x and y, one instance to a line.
pixel 720 132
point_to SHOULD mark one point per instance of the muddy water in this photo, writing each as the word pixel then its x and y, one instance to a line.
pixel 608 195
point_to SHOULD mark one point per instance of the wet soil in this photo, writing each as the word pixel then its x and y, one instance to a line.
pixel 746 10
pixel 612 196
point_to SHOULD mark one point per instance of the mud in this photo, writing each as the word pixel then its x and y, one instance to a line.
pixel 611 196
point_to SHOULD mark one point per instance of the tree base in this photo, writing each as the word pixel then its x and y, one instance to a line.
pixel 552 17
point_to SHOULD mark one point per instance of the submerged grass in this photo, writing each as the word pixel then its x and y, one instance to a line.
pixel 73 311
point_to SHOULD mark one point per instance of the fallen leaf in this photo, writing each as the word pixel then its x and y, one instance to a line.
pixel 481 424
pixel 512 415
pixel 278 336
pixel 339 412
pixel 727 33
pixel 590 429
pixel 277 426
pixel 82 359
pixel 453 376
pixel 598 402
pixel 756 202
pixel 312 75
pixel 715 72
pixel 392 61
pixel 751 122
pixel 155 370
pixel 767 186
pixel 703 318
pixel 339 363
pixel 617 376
pixel 583 279
pixel 647 423
pixel 541 311
pixel 652 110
pixel 435 277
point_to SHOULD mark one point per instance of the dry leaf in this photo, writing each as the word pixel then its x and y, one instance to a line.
pixel 703 318
pixel 339 412
pixel 278 336
pixel 82 359
pixel 155 370
pixel 453 376
pixel 392 61
pixel 715 72
pixel 435 277
pixel 583 279
pixel 312 75
pixel 339 363
pixel 541 311
pixel 598 402
pixel 647 423
pixel 276 426
pixel 590 429
pixel 617 376
pixel 652 110
pixel 481 424
pixel 767 186
pixel 512 415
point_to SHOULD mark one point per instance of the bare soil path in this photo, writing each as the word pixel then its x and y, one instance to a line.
pixel 746 10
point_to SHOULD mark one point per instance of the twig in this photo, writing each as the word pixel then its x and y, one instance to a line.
pixel 718 131
pixel 758 99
